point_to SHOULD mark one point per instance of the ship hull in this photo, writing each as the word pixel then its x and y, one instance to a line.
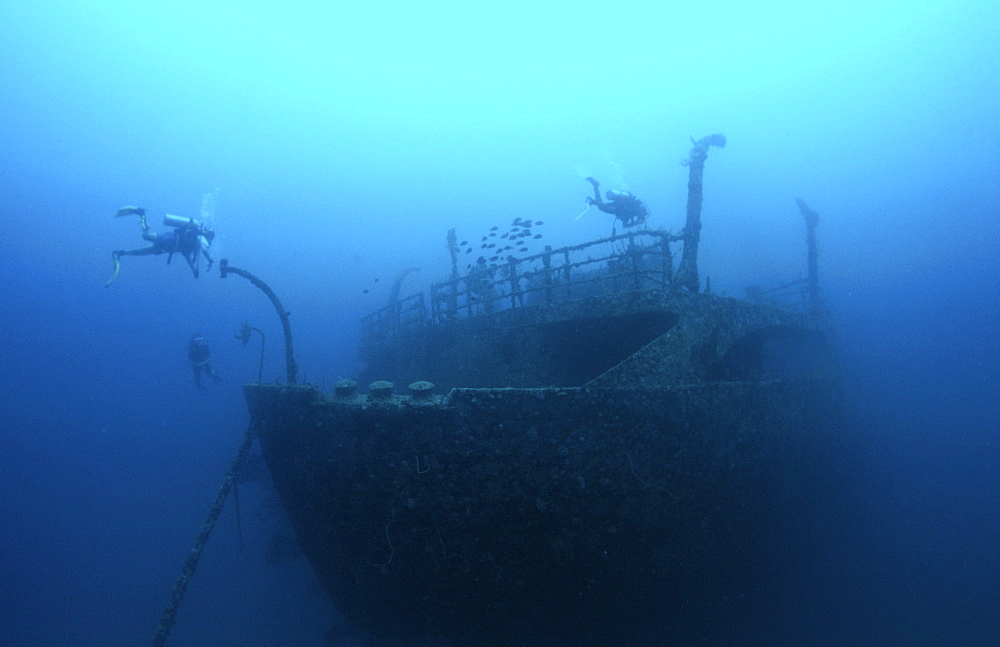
pixel 547 515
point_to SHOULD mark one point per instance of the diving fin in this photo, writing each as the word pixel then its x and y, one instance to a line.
pixel 118 265
pixel 130 211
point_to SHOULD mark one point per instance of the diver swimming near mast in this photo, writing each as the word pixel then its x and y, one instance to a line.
pixel 623 205
pixel 188 236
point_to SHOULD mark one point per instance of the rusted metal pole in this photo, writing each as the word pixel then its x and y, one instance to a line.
pixel 812 253
pixel 687 271
pixel 453 279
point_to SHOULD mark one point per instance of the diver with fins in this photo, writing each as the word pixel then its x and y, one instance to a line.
pixel 623 205
pixel 188 237
pixel 200 358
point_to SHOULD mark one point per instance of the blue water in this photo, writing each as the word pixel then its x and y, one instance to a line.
pixel 341 144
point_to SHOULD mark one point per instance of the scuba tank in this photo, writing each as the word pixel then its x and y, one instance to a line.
pixel 192 227
pixel 619 195
pixel 198 351
pixel 179 221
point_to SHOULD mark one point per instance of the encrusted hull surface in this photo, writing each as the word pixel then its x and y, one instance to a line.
pixel 546 515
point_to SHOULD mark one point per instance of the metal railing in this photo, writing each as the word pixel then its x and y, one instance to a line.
pixel 791 295
pixel 633 261
pixel 628 262
pixel 386 323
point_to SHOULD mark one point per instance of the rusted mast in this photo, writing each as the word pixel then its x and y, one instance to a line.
pixel 687 271
pixel 812 253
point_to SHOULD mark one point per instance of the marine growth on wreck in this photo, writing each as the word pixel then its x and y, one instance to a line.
pixel 569 446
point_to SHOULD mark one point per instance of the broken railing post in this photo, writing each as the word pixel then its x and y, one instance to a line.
pixel 687 271
pixel 291 367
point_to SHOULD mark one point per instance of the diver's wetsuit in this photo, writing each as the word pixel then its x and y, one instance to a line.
pixel 623 205
pixel 201 357
pixel 163 242
pixel 191 239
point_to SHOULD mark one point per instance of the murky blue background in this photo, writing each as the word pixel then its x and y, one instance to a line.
pixel 343 142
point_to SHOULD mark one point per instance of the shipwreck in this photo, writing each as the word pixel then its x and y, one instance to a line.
pixel 580 445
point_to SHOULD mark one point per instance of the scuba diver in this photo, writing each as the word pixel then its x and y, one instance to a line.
pixel 201 359
pixel 188 237
pixel 621 204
